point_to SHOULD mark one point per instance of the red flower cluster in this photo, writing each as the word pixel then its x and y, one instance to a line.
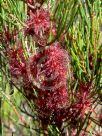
pixel 41 22
pixel 17 62
pixel 50 67
pixel 18 70
pixel 39 26
pixel 83 102
pixel 46 71
pixel 75 111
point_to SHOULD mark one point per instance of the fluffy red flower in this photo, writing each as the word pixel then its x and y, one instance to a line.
pixel 18 71
pixel 74 112
pixel 39 22
pixel 39 26
pixel 83 102
pixel 17 62
pixel 50 67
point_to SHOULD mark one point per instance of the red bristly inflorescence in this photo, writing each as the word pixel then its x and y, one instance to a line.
pixel 17 62
pixel 39 26
pixel 77 110
pixel 83 102
pixel 50 67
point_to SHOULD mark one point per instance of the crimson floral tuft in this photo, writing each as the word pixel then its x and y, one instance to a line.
pixel 50 64
pixel 17 62
pixel 39 26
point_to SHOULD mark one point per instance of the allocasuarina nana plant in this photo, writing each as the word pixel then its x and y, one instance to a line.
pixel 53 58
